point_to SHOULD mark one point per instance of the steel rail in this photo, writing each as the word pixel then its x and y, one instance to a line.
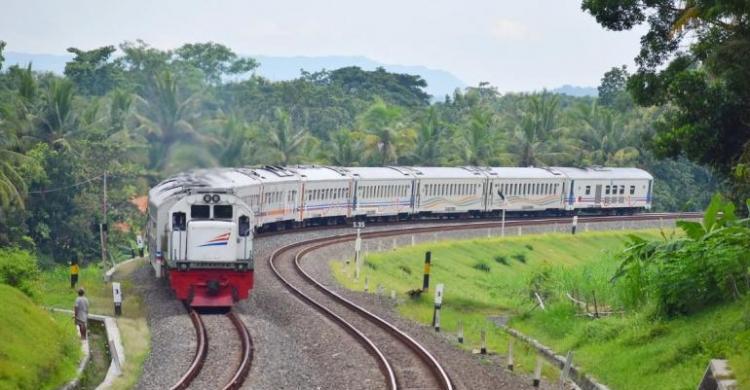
pixel 200 353
pixel 247 353
pixel 383 363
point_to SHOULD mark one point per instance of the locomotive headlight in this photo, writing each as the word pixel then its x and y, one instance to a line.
pixel 207 198
pixel 215 198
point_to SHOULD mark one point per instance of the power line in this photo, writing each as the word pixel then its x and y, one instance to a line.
pixel 89 180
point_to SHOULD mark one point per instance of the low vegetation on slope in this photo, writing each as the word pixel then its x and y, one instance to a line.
pixel 490 279
pixel 36 352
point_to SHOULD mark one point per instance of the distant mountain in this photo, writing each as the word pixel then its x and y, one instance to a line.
pixel 439 82
pixel 54 63
pixel 573 90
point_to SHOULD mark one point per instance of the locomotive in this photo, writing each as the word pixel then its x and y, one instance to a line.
pixel 201 224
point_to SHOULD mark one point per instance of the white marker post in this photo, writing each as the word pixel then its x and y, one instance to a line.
pixel 574 225
pixel 510 353
pixel 357 248
pixel 117 298
pixel 538 371
pixel 438 303
pixel 483 337
pixel 460 332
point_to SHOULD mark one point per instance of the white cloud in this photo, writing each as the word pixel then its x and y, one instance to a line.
pixel 509 30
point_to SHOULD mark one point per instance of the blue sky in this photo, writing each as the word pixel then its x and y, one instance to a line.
pixel 515 45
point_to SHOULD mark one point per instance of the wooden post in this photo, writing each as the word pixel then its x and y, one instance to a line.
pixel 483 337
pixel 565 373
pixel 596 308
pixel 103 228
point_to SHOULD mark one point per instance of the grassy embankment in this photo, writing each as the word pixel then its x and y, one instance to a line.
pixel 492 277
pixel 56 292
pixel 37 349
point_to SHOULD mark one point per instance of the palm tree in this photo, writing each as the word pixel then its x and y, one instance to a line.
pixel 537 139
pixel 12 186
pixel 166 119
pixel 386 136
pixel 602 134
pixel 344 148
pixel 58 121
pixel 476 144
pixel 286 142
pixel 429 133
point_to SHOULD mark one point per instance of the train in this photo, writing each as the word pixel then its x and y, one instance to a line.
pixel 201 223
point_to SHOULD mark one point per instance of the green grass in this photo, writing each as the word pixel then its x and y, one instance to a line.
pixel 56 292
pixel 38 350
pixel 495 277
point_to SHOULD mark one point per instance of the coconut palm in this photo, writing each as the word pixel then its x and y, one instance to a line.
pixel 386 136
pixel 429 138
pixel 166 119
pixel 602 134
pixel 286 143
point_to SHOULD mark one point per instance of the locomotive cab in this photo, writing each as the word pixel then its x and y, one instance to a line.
pixel 210 254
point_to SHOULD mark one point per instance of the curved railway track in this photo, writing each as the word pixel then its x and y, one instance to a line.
pixel 404 362
pixel 198 367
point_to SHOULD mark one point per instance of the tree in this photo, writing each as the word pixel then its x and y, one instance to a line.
pixel 214 60
pixel 612 90
pixel 2 59
pixel 58 118
pixel 533 142
pixel 286 141
pixel 92 72
pixel 476 143
pixel 166 119
pixel 429 138
pixel 706 87
pixel 385 134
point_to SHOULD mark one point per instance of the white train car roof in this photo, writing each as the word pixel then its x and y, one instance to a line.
pixel 450 172
pixel 214 178
pixel 526 173
pixel 379 173
pixel 605 173
pixel 320 172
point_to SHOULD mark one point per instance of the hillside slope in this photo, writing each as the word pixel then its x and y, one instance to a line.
pixel 36 351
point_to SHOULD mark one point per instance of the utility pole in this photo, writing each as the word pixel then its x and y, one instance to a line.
pixel 103 228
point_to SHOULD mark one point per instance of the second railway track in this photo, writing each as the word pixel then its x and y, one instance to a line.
pixel 404 362
pixel 223 354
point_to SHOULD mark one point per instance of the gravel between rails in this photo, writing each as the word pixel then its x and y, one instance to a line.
pixel 224 353
pixel 411 371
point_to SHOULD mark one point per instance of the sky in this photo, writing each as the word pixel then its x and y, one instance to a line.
pixel 519 45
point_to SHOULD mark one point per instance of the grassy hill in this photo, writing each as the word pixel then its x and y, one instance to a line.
pixel 37 350
pixel 486 278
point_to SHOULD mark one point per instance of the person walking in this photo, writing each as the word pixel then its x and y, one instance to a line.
pixel 81 310
pixel 73 273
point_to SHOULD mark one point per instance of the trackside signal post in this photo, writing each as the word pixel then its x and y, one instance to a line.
pixel 427 263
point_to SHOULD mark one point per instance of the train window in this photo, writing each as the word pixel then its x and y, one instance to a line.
pixel 200 211
pixel 622 190
pixel 606 190
pixel 244 226
pixel 588 190
pixel 222 211
pixel 179 221
pixel 632 190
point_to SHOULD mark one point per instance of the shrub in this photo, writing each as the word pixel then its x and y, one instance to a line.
pixel 529 247
pixel 406 269
pixel 371 265
pixel 520 257
pixel 501 259
pixel 18 268
pixel 684 275
pixel 484 267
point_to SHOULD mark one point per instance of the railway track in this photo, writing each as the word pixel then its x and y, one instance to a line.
pixel 403 361
pixel 212 360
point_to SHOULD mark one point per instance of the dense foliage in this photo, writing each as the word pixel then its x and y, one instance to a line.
pixel 695 61
pixel 18 269
pixel 709 265
pixel 148 113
